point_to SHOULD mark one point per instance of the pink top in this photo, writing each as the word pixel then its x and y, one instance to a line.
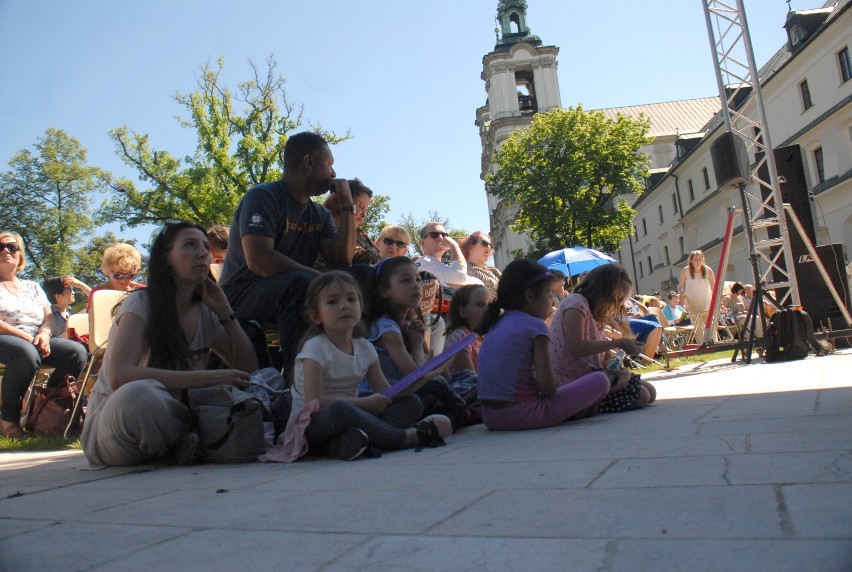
pixel 472 349
pixel 566 366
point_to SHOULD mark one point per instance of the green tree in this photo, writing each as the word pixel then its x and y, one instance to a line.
pixel 375 219
pixel 46 198
pixel 240 142
pixel 568 174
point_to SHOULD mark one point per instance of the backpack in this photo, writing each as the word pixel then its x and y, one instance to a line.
pixel 790 335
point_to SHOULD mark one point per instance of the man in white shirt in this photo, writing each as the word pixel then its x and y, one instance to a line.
pixel 434 241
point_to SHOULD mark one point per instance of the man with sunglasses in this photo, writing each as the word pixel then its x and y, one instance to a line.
pixel 277 233
pixel 434 242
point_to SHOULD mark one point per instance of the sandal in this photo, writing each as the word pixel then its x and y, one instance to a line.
pixel 431 431
pixel 187 451
pixel 11 430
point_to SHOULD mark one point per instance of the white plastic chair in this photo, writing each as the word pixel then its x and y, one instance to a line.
pixel 100 320
pixel 79 323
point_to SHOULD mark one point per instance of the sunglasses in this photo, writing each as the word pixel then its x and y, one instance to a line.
pixel 69 291
pixel 123 276
pixel 484 243
pixel 435 234
pixel 10 246
pixel 396 243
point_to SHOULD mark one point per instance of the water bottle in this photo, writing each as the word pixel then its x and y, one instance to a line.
pixel 616 361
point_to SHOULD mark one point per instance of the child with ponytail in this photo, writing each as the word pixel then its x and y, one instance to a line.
pixel 517 385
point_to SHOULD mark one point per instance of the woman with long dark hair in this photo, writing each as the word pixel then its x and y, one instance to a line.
pixel 159 346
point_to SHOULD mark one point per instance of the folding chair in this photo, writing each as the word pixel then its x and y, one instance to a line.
pixel 669 331
pixel 100 320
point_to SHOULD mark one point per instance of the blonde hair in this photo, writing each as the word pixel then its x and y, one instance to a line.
pixel 22 258
pixel 120 256
pixel 394 230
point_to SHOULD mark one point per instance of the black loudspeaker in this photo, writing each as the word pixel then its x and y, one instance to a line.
pixel 730 163
pixel 814 294
pixel 794 189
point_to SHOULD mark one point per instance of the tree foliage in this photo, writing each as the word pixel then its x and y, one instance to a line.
pixel 375 219
pixel 413 227
pixel 568 174
pixel 46 198
pixel 240 141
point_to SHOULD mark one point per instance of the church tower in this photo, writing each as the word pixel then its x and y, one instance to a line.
pixel 520 79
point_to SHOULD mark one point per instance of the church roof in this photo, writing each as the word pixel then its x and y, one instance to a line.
pixel 672 117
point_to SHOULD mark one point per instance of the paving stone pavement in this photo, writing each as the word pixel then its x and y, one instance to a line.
pixel 735 467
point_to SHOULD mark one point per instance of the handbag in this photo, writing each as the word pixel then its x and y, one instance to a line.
pixel 229 423
pixel 47 410
pixel 432 301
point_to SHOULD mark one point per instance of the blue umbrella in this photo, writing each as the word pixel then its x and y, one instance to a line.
pixel 575 260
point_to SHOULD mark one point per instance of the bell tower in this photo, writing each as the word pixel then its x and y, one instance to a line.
pixel 520 80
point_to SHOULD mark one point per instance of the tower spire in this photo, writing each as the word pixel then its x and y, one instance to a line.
pixel 512 20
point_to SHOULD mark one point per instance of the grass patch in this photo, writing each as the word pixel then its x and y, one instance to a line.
pixel 38 443
pixel 696 358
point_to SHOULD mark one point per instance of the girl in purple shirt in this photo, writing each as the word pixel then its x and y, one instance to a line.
pixel 517 384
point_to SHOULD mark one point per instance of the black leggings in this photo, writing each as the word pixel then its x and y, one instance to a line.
pixel 386 431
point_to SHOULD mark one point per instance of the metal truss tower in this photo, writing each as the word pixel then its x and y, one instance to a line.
pixel 736 75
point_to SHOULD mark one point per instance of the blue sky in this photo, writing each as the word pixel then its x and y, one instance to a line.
pixel 402 76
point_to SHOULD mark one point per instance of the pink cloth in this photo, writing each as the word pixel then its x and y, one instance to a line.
pixel 292 444
pixel 566 366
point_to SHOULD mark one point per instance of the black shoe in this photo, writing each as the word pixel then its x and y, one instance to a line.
pixel 349 445
pixel 428 434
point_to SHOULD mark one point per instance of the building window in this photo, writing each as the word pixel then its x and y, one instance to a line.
pixel 845 65
pixel 644 228
pixel 820 166
pixel 660 211
pixel 636 232
pixel 680 241
pixel 691 190
pixel 806 95
pixel 666 252
pixel 674 203
pixel 641 272
pixel 650 266
pixel 706 178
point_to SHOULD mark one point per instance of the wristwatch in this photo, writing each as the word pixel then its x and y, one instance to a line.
pixel 349 208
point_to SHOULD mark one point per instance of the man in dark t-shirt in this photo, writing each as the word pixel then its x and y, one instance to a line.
pixel 276 235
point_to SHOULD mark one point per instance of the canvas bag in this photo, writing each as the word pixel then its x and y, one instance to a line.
pixel 229 422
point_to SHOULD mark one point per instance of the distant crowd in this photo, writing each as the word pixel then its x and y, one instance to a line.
pixel 354 316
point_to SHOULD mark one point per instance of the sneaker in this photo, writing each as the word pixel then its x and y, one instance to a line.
pixel 349 445
pixel 432 430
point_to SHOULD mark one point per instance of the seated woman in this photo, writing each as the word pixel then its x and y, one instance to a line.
pixel 158 347
pixel 25 336
pixel 60 297
pixel 365 249
pixel 477 249
pixel 120 264
pixel 393 241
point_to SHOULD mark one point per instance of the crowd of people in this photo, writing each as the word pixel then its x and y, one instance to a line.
pixel 351 323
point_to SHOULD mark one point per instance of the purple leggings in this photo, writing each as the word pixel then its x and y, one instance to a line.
pixel 542 412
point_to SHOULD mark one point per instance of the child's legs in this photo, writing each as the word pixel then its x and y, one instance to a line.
pixel 403 413
pixel 337 416
pixel 568 400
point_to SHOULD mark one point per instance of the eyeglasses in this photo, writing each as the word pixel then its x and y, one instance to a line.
pixel 10 246
pixel 396 243
pixel 123 276
pixel 481 241
pixel 69 291
pixel 435 234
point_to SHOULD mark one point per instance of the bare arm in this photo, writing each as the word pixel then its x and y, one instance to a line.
pixel 340 250
pixel 127 346
pixel 404 360
pixel 543 369
pixel 573 330
pixel 234 348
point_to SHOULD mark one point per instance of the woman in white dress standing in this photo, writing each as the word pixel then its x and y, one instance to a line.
pixel 696 283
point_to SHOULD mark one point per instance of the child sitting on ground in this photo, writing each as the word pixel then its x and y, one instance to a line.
pixel 328 416
pixel 580 345
pixel 517 385
pixel 393 295
pixel 467 309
